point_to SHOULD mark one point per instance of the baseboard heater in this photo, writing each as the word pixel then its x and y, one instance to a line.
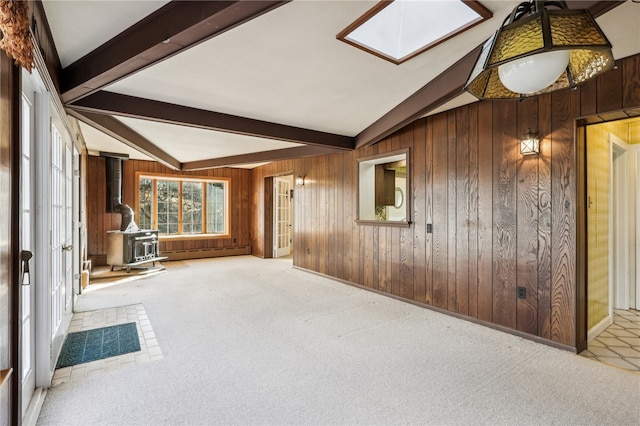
pixel 207 252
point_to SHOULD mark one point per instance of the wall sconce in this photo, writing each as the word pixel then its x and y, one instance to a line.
pixel 530 145
pixel 300 180
pixel 542 46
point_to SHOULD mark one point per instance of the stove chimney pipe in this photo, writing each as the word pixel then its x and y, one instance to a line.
pixel 113 164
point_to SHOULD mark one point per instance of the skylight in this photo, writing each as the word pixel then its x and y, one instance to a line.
pixel 401 29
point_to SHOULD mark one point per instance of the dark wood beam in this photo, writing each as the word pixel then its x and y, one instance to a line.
pixel 447 86
pixel 595 7
pixel 111 103
pixel 118 130
pixel 259 157
pixel 173 28
pixel 437 92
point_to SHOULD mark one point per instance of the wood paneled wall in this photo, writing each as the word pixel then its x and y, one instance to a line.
pixel 100 222
pixel 500 220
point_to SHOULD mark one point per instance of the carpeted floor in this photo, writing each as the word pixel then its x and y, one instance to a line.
pixel 249 341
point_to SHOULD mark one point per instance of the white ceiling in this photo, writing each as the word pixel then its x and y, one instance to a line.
pixel 285 66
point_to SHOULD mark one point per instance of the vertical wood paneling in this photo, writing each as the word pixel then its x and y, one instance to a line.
pixel 544 218
pixel 609 90
pixel 350 200
pixel 462 211
pixel 588 100
pixel 418 194
pixel 406 234
pixel 440 212
pixel 394 249
pixel 332 215
pixel 631 82
pixel 527 223
pixel 383 265
pixel 504 214
pixel 428 194
pixel 485 211
pixel 376 255
pixel 564 105
pixel 451 210
pixel 473 211
pixel 392 240
pixel 323 213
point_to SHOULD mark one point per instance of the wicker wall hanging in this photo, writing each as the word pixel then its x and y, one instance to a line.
pixel 14 25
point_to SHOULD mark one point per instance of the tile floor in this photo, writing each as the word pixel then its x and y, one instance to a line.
pixel 82 321
pixel 619 344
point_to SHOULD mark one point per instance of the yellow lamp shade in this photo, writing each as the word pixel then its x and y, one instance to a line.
pixel 539 49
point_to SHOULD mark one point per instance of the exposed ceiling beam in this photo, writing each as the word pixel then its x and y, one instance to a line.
pixel 111 103
pixel 258 157
pixel 595 7
pixel 437 92
pixel 175 27
pixel 118 130
pixel 447 86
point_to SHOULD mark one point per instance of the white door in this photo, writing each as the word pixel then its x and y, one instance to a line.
pixel 624 212
pixel 282 216
pixel 27 245
pixel 61 237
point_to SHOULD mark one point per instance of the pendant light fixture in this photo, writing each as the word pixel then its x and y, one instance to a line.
pixel 541 46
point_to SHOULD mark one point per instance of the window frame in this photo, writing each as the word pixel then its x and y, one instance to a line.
pixel 180 179
pixel 379 159
pixel 345 34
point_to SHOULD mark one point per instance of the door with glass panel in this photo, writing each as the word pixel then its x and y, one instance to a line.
pixel 61 235
pixel 282 216
pixel 27 244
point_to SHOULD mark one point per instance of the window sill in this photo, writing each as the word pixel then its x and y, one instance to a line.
pixel 396 224
pixel 186 237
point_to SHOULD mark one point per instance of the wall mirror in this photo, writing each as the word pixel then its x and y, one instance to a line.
pixel 383 185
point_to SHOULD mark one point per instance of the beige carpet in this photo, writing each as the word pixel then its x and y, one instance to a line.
pixel 249 341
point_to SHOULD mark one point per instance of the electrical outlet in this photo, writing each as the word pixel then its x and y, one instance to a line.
pixel 235 240
pixel 522 292
pixel 429 228
pixel 308 251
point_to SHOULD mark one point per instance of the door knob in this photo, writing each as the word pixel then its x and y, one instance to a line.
pixel 67 248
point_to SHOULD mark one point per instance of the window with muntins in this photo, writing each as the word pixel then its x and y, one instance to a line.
pixel 183 206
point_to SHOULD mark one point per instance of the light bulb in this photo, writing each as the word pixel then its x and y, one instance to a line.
pixel 533 73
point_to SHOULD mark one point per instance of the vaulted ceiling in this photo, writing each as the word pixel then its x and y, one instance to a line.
pixel 200 84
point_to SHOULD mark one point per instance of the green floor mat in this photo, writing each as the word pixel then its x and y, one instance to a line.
pixel 99 343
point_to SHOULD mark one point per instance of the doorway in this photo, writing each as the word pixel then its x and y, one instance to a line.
pixel 47 203
pixel 282 216
pixel 613 235
pixel 32 87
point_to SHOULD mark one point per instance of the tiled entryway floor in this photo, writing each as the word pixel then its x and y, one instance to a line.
pixel 82 321
pixel 619 344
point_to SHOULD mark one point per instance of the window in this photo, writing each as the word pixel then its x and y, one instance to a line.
pixel 384 189
pixel 183 206
pixel 401 29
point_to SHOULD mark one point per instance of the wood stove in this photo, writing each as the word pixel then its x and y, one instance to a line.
pixel 132 248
